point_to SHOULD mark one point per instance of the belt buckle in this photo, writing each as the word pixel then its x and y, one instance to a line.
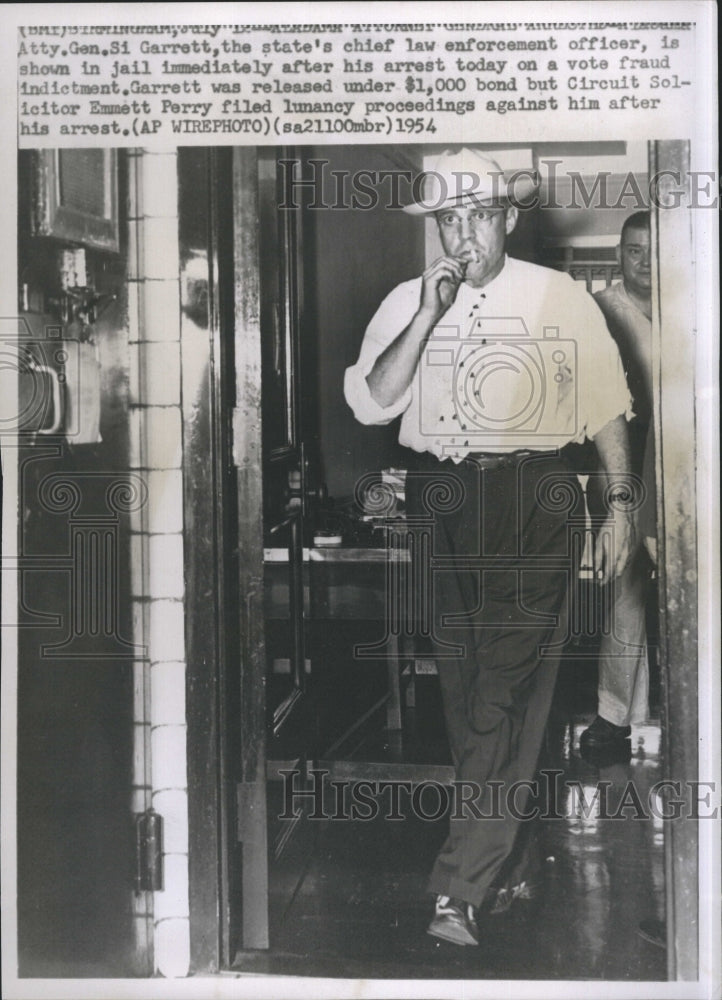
pixel 502 460
pixel 487 462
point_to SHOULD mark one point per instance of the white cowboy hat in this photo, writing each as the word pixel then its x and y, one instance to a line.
pixel 467 177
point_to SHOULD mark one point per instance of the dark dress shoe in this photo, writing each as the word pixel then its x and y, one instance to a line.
pixel 454 921
pixel 603 743
pixel 602 734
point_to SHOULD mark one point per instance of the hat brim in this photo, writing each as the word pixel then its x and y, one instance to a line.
pixel 429 208
pixel 521 191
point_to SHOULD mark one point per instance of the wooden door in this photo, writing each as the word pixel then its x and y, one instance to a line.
pixel 277 717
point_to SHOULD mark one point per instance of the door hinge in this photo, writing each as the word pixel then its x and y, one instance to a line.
pixel 148 851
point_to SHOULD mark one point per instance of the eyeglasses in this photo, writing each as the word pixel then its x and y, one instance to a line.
pixel 477 218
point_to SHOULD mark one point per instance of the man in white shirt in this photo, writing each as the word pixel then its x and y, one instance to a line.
pixel 494 365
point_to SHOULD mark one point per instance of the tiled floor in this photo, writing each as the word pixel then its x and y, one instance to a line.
pixel 361 910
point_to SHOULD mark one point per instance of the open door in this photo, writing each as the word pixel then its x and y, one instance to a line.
pixel 277 725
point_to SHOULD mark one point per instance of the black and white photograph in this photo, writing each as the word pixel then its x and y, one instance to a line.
pixel 359 457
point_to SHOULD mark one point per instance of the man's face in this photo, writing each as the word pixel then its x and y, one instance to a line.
pixel 633 258
pixel 477 234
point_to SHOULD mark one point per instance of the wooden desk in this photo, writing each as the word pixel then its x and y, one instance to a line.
pixel 342 583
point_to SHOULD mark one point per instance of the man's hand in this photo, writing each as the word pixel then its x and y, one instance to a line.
pixel 616 542
pixel 394 368
pixel 441 283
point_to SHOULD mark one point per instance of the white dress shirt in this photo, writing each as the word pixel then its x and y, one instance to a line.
pixel 526 362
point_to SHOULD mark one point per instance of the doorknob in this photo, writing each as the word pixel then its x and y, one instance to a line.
pixel 319 494
pixel 293 494
pixel 314 487
pixel 298 493
pixel 298 489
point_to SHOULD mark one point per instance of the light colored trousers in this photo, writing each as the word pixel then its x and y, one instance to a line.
pixel 623 691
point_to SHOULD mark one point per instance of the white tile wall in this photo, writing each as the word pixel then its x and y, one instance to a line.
pixel 160 248
pixel 134 318
pixel 166 639
pixel 163 444
pixel 161 302
pixel 159 179
pixel 156 434
pixel 165 501
pixel 172 805
pixel 172 947
pixel 166 566
pixel 160 374
pixel 168 693
pixel 168 748
pixel 172 901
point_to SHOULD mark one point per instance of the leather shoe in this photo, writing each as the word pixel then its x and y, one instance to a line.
pixel 454 921
pixel 605 743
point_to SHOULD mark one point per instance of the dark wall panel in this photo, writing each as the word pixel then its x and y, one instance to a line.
pixel 357 257
pixel 75 691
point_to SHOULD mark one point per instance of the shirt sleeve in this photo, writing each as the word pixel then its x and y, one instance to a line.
pixel 604 394
pixel 392 317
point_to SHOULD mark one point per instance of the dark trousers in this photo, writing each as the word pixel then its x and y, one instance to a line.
pixel 503 562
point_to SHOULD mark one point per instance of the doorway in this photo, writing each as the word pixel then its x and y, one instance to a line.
pixel 272 693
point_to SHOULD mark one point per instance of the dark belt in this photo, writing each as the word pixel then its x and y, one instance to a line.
pixel 507 460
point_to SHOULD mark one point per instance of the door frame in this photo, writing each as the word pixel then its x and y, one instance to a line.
pixel 674 354
pixel 677 532
pixel 209 524
pixel 248 462
pixel 224 567
pixel 262 465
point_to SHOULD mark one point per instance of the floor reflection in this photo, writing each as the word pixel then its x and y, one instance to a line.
pixel 361 910
pixel 608 851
